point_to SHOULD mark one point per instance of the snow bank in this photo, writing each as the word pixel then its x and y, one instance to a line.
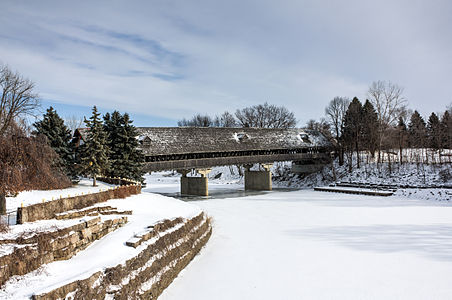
pixel 26 198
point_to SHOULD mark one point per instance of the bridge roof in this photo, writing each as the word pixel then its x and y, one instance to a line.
pixel 181 140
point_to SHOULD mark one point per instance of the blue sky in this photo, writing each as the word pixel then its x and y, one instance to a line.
pixel 165 60
pixel 77 112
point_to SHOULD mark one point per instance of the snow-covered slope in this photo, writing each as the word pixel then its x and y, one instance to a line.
pixel 108 252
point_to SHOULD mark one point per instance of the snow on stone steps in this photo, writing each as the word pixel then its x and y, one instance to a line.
pixel 358 191
pixel 155 230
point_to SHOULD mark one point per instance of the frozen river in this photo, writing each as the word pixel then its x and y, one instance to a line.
pixel 315 245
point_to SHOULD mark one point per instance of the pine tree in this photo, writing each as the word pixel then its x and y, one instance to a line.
pixel 113 129
pixel 434 132
pixel 59 138
pixel 417 130
pixel 134 169
pixel 446 130
pixel 122 138
pixel 370 127
pixel 353 125
pixel 94 152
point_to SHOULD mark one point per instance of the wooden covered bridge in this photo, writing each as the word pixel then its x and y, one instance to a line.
pixel 200 148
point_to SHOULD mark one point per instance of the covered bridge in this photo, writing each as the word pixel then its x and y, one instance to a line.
pixel 201 148
pixel 172 148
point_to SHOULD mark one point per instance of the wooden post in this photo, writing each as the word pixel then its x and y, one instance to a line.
pixel 2 204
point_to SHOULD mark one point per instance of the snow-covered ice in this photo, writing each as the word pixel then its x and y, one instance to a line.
pixel 317 245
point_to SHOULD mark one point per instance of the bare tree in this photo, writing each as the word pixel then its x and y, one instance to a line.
pixel 388 100
pixel 225 120
pixel 197 120
pixel 73 122
pixel 322 126
pixel 266 116
pixel 17 97
pixel 335 112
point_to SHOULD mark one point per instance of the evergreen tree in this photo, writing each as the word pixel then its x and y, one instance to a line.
pixel 446 130
pixel 94 152
pixel 434 132
pixel 125 156
pixel 59 138
pixel 112 127
pixel 417 130
pixel 353 125
pixel 370 127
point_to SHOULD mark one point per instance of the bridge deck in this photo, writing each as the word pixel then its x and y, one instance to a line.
pixel 208 162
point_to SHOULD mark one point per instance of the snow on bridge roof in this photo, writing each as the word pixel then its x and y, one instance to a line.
pixel 180 140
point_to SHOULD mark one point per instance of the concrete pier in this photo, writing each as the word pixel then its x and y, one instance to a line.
pixel 258 180
pixel 197 186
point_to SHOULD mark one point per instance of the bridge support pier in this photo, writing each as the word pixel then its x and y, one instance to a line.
pixel 258 180
pixel 196 186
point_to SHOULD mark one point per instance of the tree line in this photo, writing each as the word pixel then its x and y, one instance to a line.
pixel 383 124
pixel 109 148
pixel 262 115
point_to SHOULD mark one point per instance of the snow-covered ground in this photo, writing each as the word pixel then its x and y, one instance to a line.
pixel 317 245
pixel 283 244
pixel 406 174
pixel 108 252
pixel 26 198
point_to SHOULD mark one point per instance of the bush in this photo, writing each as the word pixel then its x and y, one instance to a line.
pixel 28 163
pixel 445 175
pixel 4 226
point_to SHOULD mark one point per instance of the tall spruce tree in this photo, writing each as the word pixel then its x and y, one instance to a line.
pixel 94 152
pixel 370 127
pixel 353 125
pixel 434 132
pixel 125 156
pixel 112 127
pixel 417 131
pixel 59 138
pixel 446 130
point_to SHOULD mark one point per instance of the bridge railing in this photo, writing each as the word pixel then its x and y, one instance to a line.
pixel 208 162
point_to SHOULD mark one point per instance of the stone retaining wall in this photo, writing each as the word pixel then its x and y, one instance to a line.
pixel 91 212
pixel 146 275
pixel 117 181
pixel 42 248
pixel 49 210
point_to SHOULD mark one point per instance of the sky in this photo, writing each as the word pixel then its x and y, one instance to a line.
pixel 164 60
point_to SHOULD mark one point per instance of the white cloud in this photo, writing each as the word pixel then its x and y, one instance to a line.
pixel 172 59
